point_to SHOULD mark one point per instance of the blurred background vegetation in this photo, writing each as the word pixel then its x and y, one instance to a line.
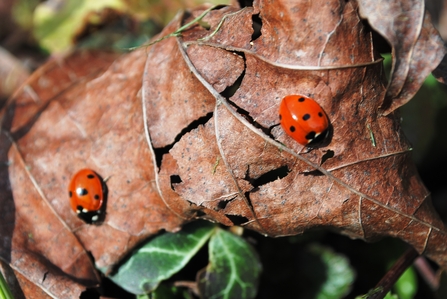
pixel 32 31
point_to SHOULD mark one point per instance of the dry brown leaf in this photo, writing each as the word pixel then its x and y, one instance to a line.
pixel 440 73
pixel 417 48
pixel 238 167
pixel 69 118
pixel 35 241
pixel 199 138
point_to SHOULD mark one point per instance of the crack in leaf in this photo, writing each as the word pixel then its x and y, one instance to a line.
pixel 267 177
pixel 224 159
pixel 224 198
pixel 154 157
pixel 257 26
pixel 159 152
pixel 239 220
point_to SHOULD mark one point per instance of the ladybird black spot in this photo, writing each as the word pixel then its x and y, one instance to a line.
pixel 306 116
pixel 96 197
pixel 70 194
pixel 311 135
pixel 301 99
pixel 81 191
pixel 292 129
pixel 90 176
pixel 280 117
pixel 79 208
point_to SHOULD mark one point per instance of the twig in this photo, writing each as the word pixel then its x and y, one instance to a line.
pixel 427 273
pixel 390 278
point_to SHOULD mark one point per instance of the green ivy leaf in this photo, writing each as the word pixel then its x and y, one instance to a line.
pixel 233 271
pixel 166 292
pixel 162 257
pixel 5 293
pixel 339 274
pixel 391 296
pixel 406 286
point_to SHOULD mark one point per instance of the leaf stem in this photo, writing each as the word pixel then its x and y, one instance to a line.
pixel 195 21
pixel 179 31
pixel 390 278
pixel 220 25
pixel 427 273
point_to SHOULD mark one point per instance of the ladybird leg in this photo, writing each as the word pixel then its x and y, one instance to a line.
pixel 107 178
pixel 305 150
pixel 308 149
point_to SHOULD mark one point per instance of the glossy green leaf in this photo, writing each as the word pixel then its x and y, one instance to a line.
pixel 234 268
pixel 391 296
pixel 406 286
pixel 166 292
pixel 5 293
pixel 339 274
pixel 161 257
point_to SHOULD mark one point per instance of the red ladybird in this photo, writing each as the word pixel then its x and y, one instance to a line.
pixel 86 192
pixel 303 119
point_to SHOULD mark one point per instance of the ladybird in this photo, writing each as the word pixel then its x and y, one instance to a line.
pixel 86 192
pixel 303 119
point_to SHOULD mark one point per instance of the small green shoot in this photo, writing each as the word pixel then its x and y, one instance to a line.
pixel 371 135
pixel 5 293
pixel 179 31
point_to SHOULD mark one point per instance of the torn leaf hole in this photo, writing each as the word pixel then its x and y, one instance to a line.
pixel 328 155
pixel 236 219
pixel 204 25
pixel 380 43
pixel 231 90
pixel 315 172
pixel 245 3
pixel 200 213
pixel 222 204
pixel 160 151
pixel 257 25
pixel 175 179
pixel 44 276
pixel 269 176
pixel 248 117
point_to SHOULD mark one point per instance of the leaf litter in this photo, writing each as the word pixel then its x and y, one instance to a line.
pixel 212 94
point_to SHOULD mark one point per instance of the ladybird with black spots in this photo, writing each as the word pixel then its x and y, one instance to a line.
pixel 303 119
pixel 87 192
